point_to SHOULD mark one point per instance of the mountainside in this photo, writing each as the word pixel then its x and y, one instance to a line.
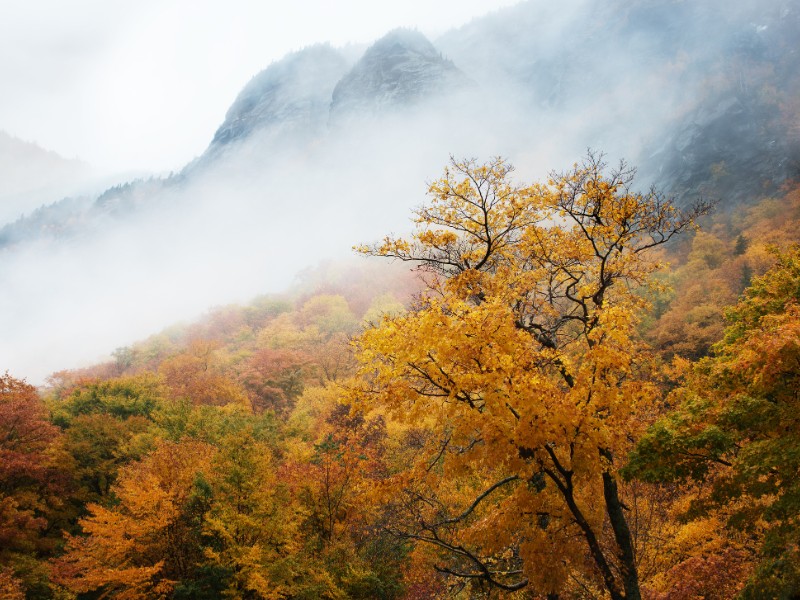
pixel 399 71
pixel 321 150
pixel 719 81
pixel 32 176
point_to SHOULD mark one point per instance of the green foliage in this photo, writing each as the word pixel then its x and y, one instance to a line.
pixel 180 419
pixel 106 425
pixel 120 398
pixel 208 583
pixel 736 425
pixel 330 314
pixel 741 245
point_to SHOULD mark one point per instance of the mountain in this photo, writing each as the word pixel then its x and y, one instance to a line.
pixel 399 71
pixel 324 149
pixel 292 95
pixel 700 96
pixel 283 112
pixel 31 176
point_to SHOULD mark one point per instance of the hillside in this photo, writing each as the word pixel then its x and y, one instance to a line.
pixel 550 373
pixel 32 176
pixel 378 433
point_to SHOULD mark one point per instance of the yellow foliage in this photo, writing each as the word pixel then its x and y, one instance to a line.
pixel 136 550
pixel 521 371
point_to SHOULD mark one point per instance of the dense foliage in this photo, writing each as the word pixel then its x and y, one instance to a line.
pixel 544 412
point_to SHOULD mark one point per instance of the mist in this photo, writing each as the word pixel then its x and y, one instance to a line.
pixel 245 217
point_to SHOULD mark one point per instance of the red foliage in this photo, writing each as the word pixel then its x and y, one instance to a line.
pixel 29 482
pixel 274 378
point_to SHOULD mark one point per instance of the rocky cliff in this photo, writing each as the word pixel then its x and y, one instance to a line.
pixel 292 95
pixel 401 70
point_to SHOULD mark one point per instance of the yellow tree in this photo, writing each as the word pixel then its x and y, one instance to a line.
pixel 142 547
pixel 250 530
pixel 522 371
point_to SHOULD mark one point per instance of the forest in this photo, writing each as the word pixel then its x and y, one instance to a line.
pixel 569 388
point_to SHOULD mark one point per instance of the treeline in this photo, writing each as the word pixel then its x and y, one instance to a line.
pixel 213 460
pixel 545 412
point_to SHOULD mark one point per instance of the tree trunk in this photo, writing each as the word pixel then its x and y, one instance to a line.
pixel 622 535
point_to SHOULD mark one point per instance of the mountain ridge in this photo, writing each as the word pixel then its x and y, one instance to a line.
pixel 32 176
pixel 251 212
pixel 294 102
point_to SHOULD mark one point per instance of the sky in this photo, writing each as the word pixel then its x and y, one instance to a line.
pixel 137 87
pixel 142 86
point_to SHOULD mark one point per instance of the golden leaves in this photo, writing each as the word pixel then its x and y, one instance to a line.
pixel 522 359
pixel 124 546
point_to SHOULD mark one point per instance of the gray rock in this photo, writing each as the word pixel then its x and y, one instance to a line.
pixel 730 150
pixel 292 95
pixel 401 70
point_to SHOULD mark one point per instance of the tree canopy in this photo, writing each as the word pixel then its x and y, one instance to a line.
pixel 735 429
pixel 523 361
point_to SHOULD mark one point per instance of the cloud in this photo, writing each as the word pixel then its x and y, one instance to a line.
pixel 142 85
pixel 243 225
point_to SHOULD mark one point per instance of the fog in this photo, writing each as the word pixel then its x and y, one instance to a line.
pixel 247 217
pixel 141 86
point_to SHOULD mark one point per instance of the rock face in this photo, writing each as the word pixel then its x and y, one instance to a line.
pixel 742 140
pixel 701 96
pixel 731 150
pixel 400 70
pixel 704 93
pixel 292 95
pixel 298 97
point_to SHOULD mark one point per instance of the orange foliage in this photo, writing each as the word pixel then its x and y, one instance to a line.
pixel 140 548
pixel 716 577
pixel 719 266
pixel 195 375
pixel 11 588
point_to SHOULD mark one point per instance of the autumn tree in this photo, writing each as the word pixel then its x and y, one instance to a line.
pixel 702 287
pixel 523 365
pixel 347 452
pixel 332 456
pixel 328 323
pixel 105 426
pixel 25 435
pixel 34 485
pixel 734 433
pixel 250 530
pixel 196 375
pixel 148 542
pixel 11 588
pixel 275 378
